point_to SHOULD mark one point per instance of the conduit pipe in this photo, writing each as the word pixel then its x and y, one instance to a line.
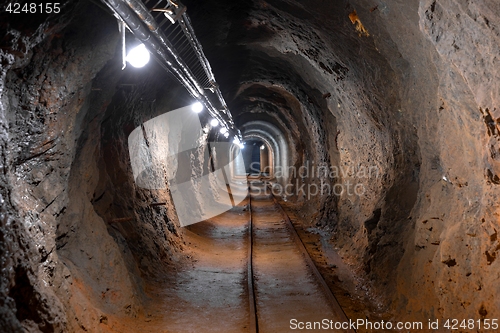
pixel 134 23
pixel 137 18
pixel 143 13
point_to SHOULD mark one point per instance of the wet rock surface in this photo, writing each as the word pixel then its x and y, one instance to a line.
pixel 408 88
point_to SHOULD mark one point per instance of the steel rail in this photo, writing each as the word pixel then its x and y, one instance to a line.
pixel 334 304
pixel 254 323
pixel 305 254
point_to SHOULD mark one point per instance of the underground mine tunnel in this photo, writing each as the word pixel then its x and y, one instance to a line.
pixel 341 165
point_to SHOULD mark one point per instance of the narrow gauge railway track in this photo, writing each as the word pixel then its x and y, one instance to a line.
pixel 286 290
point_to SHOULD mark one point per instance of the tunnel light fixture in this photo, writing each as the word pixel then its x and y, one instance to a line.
pixel 223 130
pixel 139 56
pixel 148 27
pixel 262 147
pixel 197 107
pixel 237 142
pixel 214 122
pixel 226 135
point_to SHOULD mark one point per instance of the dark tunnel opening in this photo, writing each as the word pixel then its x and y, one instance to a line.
pixel 256 157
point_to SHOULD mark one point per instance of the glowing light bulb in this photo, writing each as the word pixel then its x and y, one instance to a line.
pixel 237 142
pixel 197 107
pixel 214 122
pixel 223 130
pixel 226 135
pixel 262 147
pixel 139 56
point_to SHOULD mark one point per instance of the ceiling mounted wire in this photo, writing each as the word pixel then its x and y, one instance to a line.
pixel 166 31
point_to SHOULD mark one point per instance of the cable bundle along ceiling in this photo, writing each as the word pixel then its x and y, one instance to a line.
pixel 166 31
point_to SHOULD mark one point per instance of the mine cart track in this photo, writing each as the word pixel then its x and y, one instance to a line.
pixel 253 301
pixel 254 325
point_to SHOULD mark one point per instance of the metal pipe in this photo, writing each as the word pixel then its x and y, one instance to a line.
pixel 140 32
pixel 189 32
pixel 185 23
pixel 122 29
pixel 143 13
pixel 143 25
pixel 186 26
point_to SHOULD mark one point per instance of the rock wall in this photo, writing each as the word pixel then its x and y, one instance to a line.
pixel 408 88
pixel 450 257
pixel 77 237
pixel 44 90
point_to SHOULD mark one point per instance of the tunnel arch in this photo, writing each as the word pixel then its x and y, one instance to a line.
pixel 267 144
pixel 276 142
pixel 237 162
pixel 256 156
